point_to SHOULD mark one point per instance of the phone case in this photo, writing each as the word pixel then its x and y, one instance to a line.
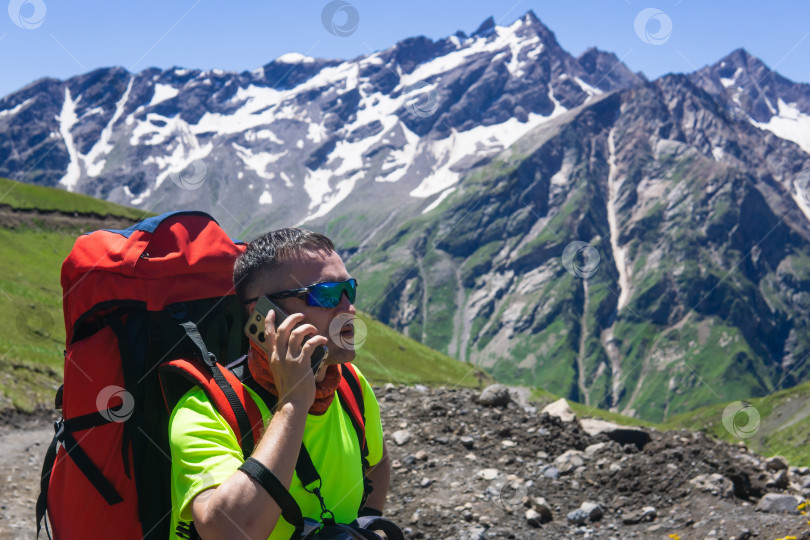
pixel 254 329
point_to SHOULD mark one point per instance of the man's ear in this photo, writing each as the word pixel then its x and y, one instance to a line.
pixel 247 308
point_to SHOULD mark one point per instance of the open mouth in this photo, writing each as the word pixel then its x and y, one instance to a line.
pixel 347 330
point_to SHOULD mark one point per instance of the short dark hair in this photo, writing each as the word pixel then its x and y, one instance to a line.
pixel 270 250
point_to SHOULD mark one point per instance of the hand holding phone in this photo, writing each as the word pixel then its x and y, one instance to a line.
pixel 255 331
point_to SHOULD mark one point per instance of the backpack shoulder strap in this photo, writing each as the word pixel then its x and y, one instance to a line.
pixel 351 397
pixel 223 388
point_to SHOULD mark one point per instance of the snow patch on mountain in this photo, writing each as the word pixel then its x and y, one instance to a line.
pixel 345 76
pixel 480 140
pixel 614 185
pixel 140 198
pixel 162 93
pixel 294 58
pixel 502 38
pixel 183 156
pixel 157 130
pixel 67 119
pixel 259 110
pixel 316 133
pixel 103 146
pixel 317 185
pixel 587 88
pixel 728 83
pixel 789 123
pixel 398 160
pixel 801 195
pixel 15 109
pixel 262 134
pixel 266 197
pixel 258 162
pixel 345 159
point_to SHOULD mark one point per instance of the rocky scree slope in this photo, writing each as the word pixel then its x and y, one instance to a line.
pixel 466 470
pixel 477 465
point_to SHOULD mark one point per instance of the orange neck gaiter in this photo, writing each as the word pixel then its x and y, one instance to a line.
pixel 324 390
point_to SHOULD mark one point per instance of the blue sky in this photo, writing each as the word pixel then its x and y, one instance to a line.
pixel 67 38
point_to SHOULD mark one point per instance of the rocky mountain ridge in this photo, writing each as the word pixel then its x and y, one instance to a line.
pixel 299 134
pixel 637 245
pixel 686 282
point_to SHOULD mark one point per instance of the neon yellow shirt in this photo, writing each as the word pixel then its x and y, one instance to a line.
pixel 205 452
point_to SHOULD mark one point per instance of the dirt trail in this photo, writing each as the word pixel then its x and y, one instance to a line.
pixel 22 448
pixel 50 220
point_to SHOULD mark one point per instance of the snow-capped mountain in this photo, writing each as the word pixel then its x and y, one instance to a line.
pixel 632 244
pixel 289 142
pixel 755 93
pixel 646 252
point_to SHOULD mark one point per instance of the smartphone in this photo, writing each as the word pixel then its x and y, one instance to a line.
pixel 255 330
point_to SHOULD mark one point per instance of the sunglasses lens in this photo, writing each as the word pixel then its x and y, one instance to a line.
pixel 328 294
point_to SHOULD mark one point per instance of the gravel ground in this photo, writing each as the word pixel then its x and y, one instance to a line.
pixel 467 471
pixel 23 442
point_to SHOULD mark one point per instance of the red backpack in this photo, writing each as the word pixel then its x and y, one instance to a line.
pixel 148 311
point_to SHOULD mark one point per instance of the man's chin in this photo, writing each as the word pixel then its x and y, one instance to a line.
pixel 339 356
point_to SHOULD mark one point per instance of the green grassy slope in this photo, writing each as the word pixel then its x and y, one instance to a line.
pixel 32 332
pixel 388 356
pixel 783 426
pixel 29 197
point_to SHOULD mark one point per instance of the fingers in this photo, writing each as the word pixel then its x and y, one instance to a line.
pixel 288 340
pixel 270 332
pixel 310 345
pixel 299 336
pixel 277 338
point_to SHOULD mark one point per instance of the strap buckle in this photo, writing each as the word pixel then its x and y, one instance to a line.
pixel 59 430
pixel 326 514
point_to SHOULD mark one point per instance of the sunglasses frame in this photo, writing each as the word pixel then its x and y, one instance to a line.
pixel 304 292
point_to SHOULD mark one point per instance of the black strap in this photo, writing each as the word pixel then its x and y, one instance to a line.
pixel 89 469
pixel 73 424
pixel 126 352
pixel 247 443
pixel 91 420
pixel 187 530
pixel 45 478
pixel 290 510
pixel 305 469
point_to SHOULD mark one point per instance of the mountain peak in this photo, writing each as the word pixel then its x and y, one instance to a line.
pixel 531 17
pixel 740 58
pixel 486 27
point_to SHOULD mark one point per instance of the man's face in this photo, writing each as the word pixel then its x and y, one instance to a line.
pixel 306 269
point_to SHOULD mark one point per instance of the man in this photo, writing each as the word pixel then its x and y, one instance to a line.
pixel 207 486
